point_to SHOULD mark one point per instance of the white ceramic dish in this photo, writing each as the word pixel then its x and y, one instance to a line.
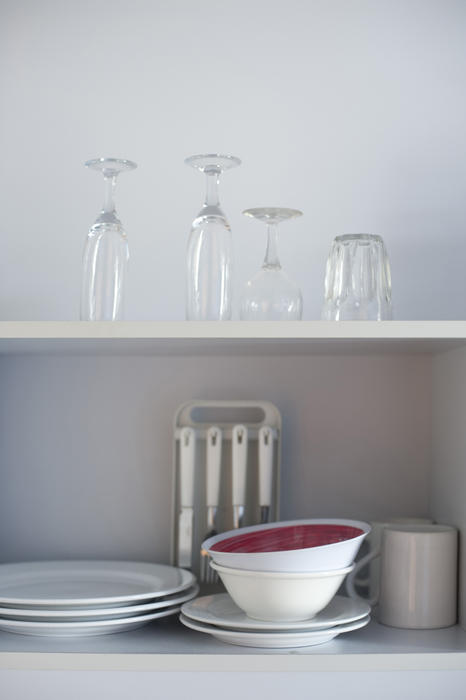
pixel 279 546
pixel 83 629
pixel 86 584
pixel 95 614
pixel 281 596
pixel 221 611
pixel 277 639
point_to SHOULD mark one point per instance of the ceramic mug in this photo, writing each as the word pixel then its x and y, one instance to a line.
pixel 371 582
pixel 418 576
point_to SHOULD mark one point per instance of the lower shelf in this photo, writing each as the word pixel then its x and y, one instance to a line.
pixel 168 646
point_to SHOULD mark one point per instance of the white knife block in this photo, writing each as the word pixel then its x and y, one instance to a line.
pixel 201 415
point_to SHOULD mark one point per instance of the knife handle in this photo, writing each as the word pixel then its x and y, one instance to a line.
pixel 213 466
pixel 239 462
pixel 265 465
pixel 187 458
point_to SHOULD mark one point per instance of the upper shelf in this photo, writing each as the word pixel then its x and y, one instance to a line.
pixel 183 337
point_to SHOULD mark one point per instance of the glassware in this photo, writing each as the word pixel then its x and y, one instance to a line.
pixel 209 256
pixel 271 295
pixel 357 280
pixel 106 252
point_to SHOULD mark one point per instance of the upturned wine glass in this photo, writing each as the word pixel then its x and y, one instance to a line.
pixel 106 252
pixel 357 280
pixel 271 295
pixel 209 254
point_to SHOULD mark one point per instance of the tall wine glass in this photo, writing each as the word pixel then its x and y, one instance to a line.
pixel 106 252
pixel 209 255
pixel 271 295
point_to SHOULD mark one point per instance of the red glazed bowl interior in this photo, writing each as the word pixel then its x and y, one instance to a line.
pixel 281 539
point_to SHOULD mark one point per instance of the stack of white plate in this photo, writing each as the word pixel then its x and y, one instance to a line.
pixel 220 617
pixel 84 598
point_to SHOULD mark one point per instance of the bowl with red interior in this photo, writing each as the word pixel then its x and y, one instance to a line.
pixel 319 544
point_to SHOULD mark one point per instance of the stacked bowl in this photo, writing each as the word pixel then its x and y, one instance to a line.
pixel 286 573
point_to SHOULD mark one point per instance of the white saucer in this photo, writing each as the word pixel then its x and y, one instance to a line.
pixel 83 629
pixel 220 610
pixel 86 584
pixel 276 639
pixel 95 614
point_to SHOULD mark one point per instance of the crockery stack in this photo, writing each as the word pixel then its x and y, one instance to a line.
pixel 78 598
pixel 284 575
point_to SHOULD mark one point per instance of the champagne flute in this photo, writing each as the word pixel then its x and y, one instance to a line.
pixel 209 255
pixel 106 252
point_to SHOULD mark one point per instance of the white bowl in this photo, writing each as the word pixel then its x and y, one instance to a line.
pixel 281 596
pixel 320 544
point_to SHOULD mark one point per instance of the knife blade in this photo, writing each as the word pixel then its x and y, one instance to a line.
pixel 265 472
pixel 186 514
pixel 239 442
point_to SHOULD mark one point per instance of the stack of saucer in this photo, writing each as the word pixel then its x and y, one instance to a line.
pixel 218 616
pixel 84 598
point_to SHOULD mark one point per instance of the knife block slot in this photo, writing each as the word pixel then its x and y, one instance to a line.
pixel 201 415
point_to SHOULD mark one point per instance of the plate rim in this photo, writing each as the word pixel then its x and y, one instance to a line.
pixel 94 624
pixel 15 602
pixel 300 635
pixel 65 615
pixel 263 625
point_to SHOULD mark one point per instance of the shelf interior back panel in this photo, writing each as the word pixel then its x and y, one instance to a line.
pixel 86 443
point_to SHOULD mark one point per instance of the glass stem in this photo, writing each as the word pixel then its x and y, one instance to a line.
pixel 271 254
pixel 211 198
pixel 109 201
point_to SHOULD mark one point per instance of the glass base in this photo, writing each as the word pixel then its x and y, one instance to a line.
pixel 360 238
pixel 272 215
pixel 212 162
pixel 110 167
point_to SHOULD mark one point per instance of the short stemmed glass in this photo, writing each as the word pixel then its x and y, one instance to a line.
pixel 106 252
pixel 209 255
pixel 271 295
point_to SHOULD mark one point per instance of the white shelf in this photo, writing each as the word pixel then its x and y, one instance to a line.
pixel 168 646
pixel 181 337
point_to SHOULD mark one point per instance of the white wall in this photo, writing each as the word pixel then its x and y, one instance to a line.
pixel 351 110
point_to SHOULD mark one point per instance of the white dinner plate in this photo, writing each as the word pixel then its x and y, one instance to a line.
pixel 221 611
pixel 86 584
pixel 83 629
pixel 80 614
pixel 276 639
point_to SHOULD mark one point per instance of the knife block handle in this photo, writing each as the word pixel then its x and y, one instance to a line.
pixel 239 464
pixel 187 460
pixel 265 465
pixel 213 466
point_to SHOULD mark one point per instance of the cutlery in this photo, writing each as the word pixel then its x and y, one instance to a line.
pixel 213 472
pixel 186 515
pixel 265 472
pixel 239 441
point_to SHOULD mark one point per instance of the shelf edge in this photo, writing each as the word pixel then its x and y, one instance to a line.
pixel 291 662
